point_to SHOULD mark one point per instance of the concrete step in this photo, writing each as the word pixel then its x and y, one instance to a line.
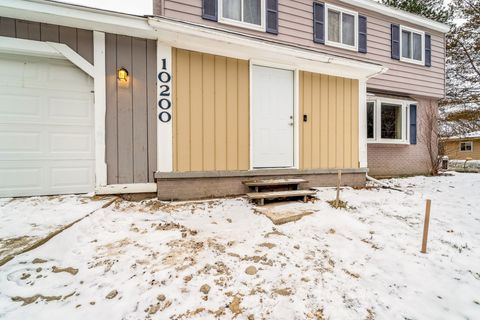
pixel 261 196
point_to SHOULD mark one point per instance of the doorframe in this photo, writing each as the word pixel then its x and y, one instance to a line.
pixel 296 104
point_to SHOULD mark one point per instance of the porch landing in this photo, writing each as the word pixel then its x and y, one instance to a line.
pixel 216 184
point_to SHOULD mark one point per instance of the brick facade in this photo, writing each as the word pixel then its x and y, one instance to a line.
pixel 387 160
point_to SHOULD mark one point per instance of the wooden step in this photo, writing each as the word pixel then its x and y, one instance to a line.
pixel 273 182
pixel 261 196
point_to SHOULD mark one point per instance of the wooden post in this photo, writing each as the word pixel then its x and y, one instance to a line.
pixel 425 226
pixel 339 181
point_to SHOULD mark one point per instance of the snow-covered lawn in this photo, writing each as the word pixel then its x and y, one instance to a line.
pixel 201 260
pixel 23 221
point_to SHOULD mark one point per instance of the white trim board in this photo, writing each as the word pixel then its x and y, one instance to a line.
pixel 100 107
pixel 127 188
pixel 77 17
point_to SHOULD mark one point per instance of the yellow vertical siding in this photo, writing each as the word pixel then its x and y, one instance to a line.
pixel 211 112
pixel 452 150
pixel 329 139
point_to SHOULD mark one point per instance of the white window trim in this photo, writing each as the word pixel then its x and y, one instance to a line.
pixel 411 60
pixel 378 118
pixel 374 121
pixel 355 25
pixel 242 24
pixel 460 146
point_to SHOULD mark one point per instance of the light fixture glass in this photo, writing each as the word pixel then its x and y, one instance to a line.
pixel 122 74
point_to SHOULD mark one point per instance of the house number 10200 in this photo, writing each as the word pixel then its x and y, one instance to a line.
pixel 164 103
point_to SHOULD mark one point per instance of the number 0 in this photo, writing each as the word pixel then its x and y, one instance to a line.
pixel 164 116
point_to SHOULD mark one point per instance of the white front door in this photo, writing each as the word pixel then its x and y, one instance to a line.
pixel 47 143
pixel 272 117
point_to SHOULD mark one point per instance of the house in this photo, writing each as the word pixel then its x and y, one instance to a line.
pixel 204 94
pixel 463 147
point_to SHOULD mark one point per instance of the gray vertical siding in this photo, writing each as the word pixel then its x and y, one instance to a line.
pixel 131 126
pixel 81 41
pixel 131 110
pixel 296 27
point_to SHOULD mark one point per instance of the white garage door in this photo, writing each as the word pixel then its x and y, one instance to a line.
pixel 46 127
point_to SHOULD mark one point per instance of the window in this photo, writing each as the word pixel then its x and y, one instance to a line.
pixel 341 27
pixel 391 121
pixel 387 121
pixel 412 45
pixel 466 146
pixel 243 13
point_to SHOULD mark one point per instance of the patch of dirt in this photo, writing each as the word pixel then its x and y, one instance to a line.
pixel 234 306
pixel 341 204
pixel 283 291
pixel 275 232
pixel 251 270
pixel 70 270
pixel 38 260
pixel 13 245
pixel 32 299
pixel 267 245
pixel 183 253
pixel 352 274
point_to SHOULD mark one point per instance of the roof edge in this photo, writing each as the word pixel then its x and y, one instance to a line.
pixel 400 14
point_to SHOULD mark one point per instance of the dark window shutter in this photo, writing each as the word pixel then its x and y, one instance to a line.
pixel 272 16
pixel 428 50
pixel 362 34
pixel 209 10
pixel 395 35
pixel 319 22
pixel 413 124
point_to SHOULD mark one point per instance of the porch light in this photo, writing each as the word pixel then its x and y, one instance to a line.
pixel 122 75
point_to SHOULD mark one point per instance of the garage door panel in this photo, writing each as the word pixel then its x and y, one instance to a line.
pixel 68 110
pixel 22 178
pixel 15 107
pixel 47 141
pixel 72 143
pixel 17 177
pixel 32 72
pixel 15 141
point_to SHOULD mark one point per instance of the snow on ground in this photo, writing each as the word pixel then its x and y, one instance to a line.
pixel 25 220
pixel 201 260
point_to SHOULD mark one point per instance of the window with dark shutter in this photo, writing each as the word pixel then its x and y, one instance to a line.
pixel 272 16
pixel 319 22
pixel 362 34
pixel 209 10
pixel 413 124
pixel 395 36
pixel 428 50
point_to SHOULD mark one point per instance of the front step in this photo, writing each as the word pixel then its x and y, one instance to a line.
pixel 273 182
pixel 261 196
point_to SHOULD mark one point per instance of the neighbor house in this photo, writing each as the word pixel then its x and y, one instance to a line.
pixel 198 97
pixel 463 147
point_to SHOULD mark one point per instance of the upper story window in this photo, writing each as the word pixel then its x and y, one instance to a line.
pixel 466 146
pixel 243 13
pixel 341 27
pixel 412 44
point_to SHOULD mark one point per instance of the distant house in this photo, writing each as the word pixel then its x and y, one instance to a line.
pixel 204 94
pixel 463 147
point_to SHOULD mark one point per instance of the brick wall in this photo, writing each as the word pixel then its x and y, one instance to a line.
pixel 385 160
